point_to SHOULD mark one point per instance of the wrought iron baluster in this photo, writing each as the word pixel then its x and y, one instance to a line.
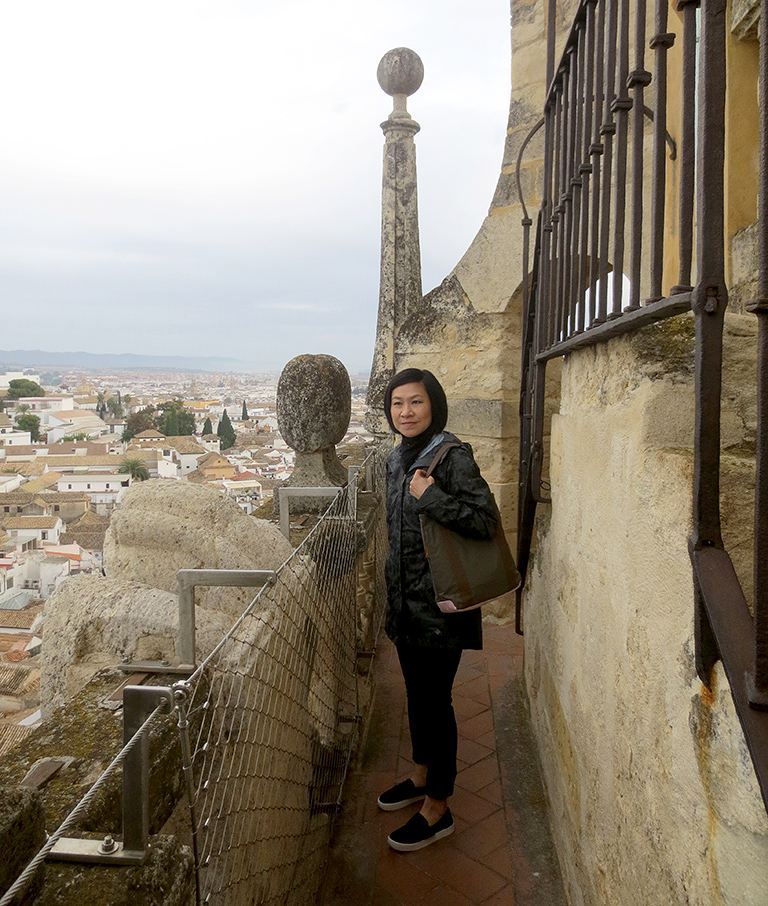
pixel 688 144
pixel 637 81
pixel 554 214
pixel 596 152
pixel 585 169
pixel 544 304
pixel 562 205
pixel 660 43
pixel 607 131
pixel 621 107
pixel 571 183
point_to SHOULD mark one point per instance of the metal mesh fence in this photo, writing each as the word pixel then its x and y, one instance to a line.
pixel 275 710
pixel 268 721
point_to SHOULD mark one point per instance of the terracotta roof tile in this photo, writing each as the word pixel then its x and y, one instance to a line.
pixel 11 735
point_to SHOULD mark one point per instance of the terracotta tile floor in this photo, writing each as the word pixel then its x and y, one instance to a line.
pixel 501 852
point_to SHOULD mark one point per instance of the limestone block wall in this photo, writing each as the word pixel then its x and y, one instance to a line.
pixel 468 329
pixel 653 796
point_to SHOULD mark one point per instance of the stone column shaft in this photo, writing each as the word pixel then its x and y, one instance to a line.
pixel 400 74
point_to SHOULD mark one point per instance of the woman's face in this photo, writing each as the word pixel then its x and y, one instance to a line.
pixel 411 409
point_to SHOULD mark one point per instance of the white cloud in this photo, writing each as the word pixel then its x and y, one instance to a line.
pixel 235 143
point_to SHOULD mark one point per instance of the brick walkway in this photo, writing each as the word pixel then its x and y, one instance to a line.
pixel 501 852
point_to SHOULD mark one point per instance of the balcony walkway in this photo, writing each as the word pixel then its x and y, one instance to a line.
pixel 501 852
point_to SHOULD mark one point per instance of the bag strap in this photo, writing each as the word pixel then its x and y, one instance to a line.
pixel 442 452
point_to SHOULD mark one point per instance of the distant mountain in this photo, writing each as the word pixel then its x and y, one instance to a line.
pixel 11 359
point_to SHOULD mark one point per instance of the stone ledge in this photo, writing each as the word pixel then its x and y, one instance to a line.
pixel 21 831
pixel 166 878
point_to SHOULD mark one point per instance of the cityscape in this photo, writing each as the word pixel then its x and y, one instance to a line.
pixel 73 441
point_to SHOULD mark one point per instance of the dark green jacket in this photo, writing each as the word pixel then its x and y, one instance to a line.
pixel 461 500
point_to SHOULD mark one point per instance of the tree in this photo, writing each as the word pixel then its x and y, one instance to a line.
pixel 170 426
pixel 245 413
pixel 226 432
pixel 135 468
pixel 23 387
pixel 115 406
pixel 28 422
pixel 207 426
pixel 182 421
pixel 143 420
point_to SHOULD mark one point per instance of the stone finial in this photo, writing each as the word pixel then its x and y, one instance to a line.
pixel 314 405
pixel 400 75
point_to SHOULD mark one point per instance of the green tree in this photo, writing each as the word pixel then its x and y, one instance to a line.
pixel 23 387
pixel 226 432
pixel 183 421
pixel 115 406
pixel 26 421
pixel 171 423
pixel 135 468
pixel 244 416
pixel 207 426
pixel 143 420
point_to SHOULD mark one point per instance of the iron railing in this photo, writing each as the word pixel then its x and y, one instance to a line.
pixel 598 273
pixel 266 723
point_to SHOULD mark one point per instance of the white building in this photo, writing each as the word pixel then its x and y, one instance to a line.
pixel 63 423
pixel 9 483
pixel 44 572
pixel 211 442
pixel 7 376
pixel 43 405
pixel 29 532
pixel 245 489
pixel 104 489
pixel 10 435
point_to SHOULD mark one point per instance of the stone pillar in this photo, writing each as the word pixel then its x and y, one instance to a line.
pixel 400 74
pixel 314 405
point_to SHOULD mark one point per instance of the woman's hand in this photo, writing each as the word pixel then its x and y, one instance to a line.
pixel 420 482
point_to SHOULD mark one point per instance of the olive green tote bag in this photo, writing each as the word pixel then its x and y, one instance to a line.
pixel 466 572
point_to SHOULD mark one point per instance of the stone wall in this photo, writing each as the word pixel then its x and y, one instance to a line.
pixel 468 329
pixel 653 796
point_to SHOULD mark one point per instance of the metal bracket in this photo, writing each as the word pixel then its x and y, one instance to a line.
pixel 188 580
pixel 138 703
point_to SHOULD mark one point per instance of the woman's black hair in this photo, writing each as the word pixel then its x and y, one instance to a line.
pixel 434 390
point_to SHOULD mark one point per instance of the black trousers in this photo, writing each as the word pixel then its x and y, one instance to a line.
pixel 429 675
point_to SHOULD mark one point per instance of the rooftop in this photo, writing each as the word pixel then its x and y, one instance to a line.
pixel 19 619
pixel 30 522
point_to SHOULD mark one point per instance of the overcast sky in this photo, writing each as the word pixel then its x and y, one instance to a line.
pixel 182 177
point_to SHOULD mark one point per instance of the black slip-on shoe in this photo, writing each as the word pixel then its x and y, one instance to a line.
pixel 400 795
pixel 417 833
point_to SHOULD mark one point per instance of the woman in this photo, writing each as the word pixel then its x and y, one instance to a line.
pixel 429 643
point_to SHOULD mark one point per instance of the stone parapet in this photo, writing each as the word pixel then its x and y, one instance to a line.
pixel 654 797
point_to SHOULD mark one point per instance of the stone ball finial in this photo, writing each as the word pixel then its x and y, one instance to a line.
pixel 400 71
pixel 314 402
